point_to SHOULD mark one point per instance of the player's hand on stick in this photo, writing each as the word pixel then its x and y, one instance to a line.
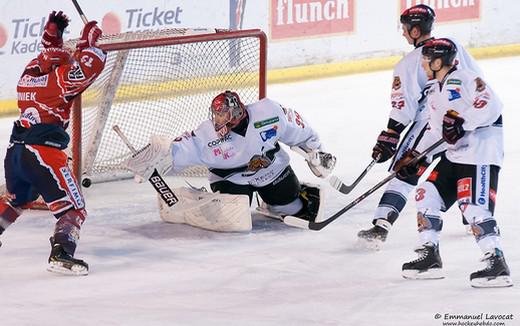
pixel 385 147
pixel 154 156
pixel 53 31
pixel 89 35
pixel 403 167
pixel 452 129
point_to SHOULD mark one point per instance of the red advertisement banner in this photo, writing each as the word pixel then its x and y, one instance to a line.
pixel 310 18
pixel 448 10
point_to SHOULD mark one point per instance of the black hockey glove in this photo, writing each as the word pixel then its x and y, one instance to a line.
pixel 385 147
pixel 404 168
pixel 452 129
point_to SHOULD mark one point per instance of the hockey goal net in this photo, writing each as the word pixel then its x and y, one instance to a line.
pixel 160 82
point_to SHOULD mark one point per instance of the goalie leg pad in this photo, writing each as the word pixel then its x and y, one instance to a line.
pixel 312 199
pixel 210 211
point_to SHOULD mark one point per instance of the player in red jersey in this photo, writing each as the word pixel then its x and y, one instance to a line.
pixel 35 163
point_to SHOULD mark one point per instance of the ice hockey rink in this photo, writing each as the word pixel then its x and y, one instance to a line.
pixel 146 272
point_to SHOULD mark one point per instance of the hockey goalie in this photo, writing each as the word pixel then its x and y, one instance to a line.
pixel 240 146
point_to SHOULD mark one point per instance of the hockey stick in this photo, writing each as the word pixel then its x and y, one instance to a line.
pixel 337 184
pixel 80 12
pixel 167 195
pixel 316 226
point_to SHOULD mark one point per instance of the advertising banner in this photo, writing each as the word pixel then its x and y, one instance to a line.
pixel 449 10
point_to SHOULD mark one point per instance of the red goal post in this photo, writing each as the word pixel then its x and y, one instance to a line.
pixel 160 82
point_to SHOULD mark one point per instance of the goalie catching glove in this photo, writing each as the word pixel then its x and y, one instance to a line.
pixel 320 163
pixel 157 155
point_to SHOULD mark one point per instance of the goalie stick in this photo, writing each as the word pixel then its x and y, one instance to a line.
pixel 316 226
pixel 337 184
pixel 80 12
pixel 157 181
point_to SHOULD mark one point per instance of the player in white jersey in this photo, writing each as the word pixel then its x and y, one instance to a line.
pixel 465 111
pixel 408 96
pixel 240 146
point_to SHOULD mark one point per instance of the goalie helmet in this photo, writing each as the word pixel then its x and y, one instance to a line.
pixel 441 48
pixel 421 16
pixel 226 112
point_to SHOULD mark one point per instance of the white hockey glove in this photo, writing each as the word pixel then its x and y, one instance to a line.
pixel 156 155
pixel 320 163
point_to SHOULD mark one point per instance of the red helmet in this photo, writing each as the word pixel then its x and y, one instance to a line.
pixel 226 111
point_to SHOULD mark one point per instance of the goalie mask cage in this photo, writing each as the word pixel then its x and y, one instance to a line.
pixel 160 82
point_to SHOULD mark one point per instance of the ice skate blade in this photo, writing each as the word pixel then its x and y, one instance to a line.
pixel 75 270
pixel 430 274
pixel 498 282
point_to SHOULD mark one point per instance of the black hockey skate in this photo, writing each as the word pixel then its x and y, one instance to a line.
pixel 427 266
pixel 374 237
pixel 63 263
pixel 495 274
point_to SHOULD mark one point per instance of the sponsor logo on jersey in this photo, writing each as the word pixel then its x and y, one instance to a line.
pixel 307 18
pixel 266 122
pixel 396 84
pixel 269 133
pixel 483 185
pixel 464 190
pixel 454 94
pixel 481 85
pixel 258 162
pixel 72 188
pixel 454 82
pixel 30 116
pixel 219 141
pixel 30 81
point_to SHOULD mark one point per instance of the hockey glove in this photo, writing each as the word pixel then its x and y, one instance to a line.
pixel 156 155
pixel 54 28
pixel 385 147
pixel 452 129
pixel 89 35
pixel 404 168
pixel 320 163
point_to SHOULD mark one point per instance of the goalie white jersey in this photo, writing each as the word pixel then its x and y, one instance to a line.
pixel 409 87
pixel 255 157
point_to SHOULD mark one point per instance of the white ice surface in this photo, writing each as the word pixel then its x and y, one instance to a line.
pixel 146 272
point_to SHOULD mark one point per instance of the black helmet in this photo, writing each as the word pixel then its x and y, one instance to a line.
pixel 440 48
pixel 419 15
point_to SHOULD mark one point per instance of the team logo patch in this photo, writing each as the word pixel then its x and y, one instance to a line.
pixel 454 82
pixel 454 94
pixel 258 162
pixel 266 122
pixel 464 190
pixel 481 85
pixel 72 188
pixel 76 74
pixel 423 223
pixel 396 84
pixel 269 133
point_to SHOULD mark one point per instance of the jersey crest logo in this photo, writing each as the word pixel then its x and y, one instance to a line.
pixel 266 122
pixel 481 85
pixel 258 162
pixel 396 84
pixel 76 74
